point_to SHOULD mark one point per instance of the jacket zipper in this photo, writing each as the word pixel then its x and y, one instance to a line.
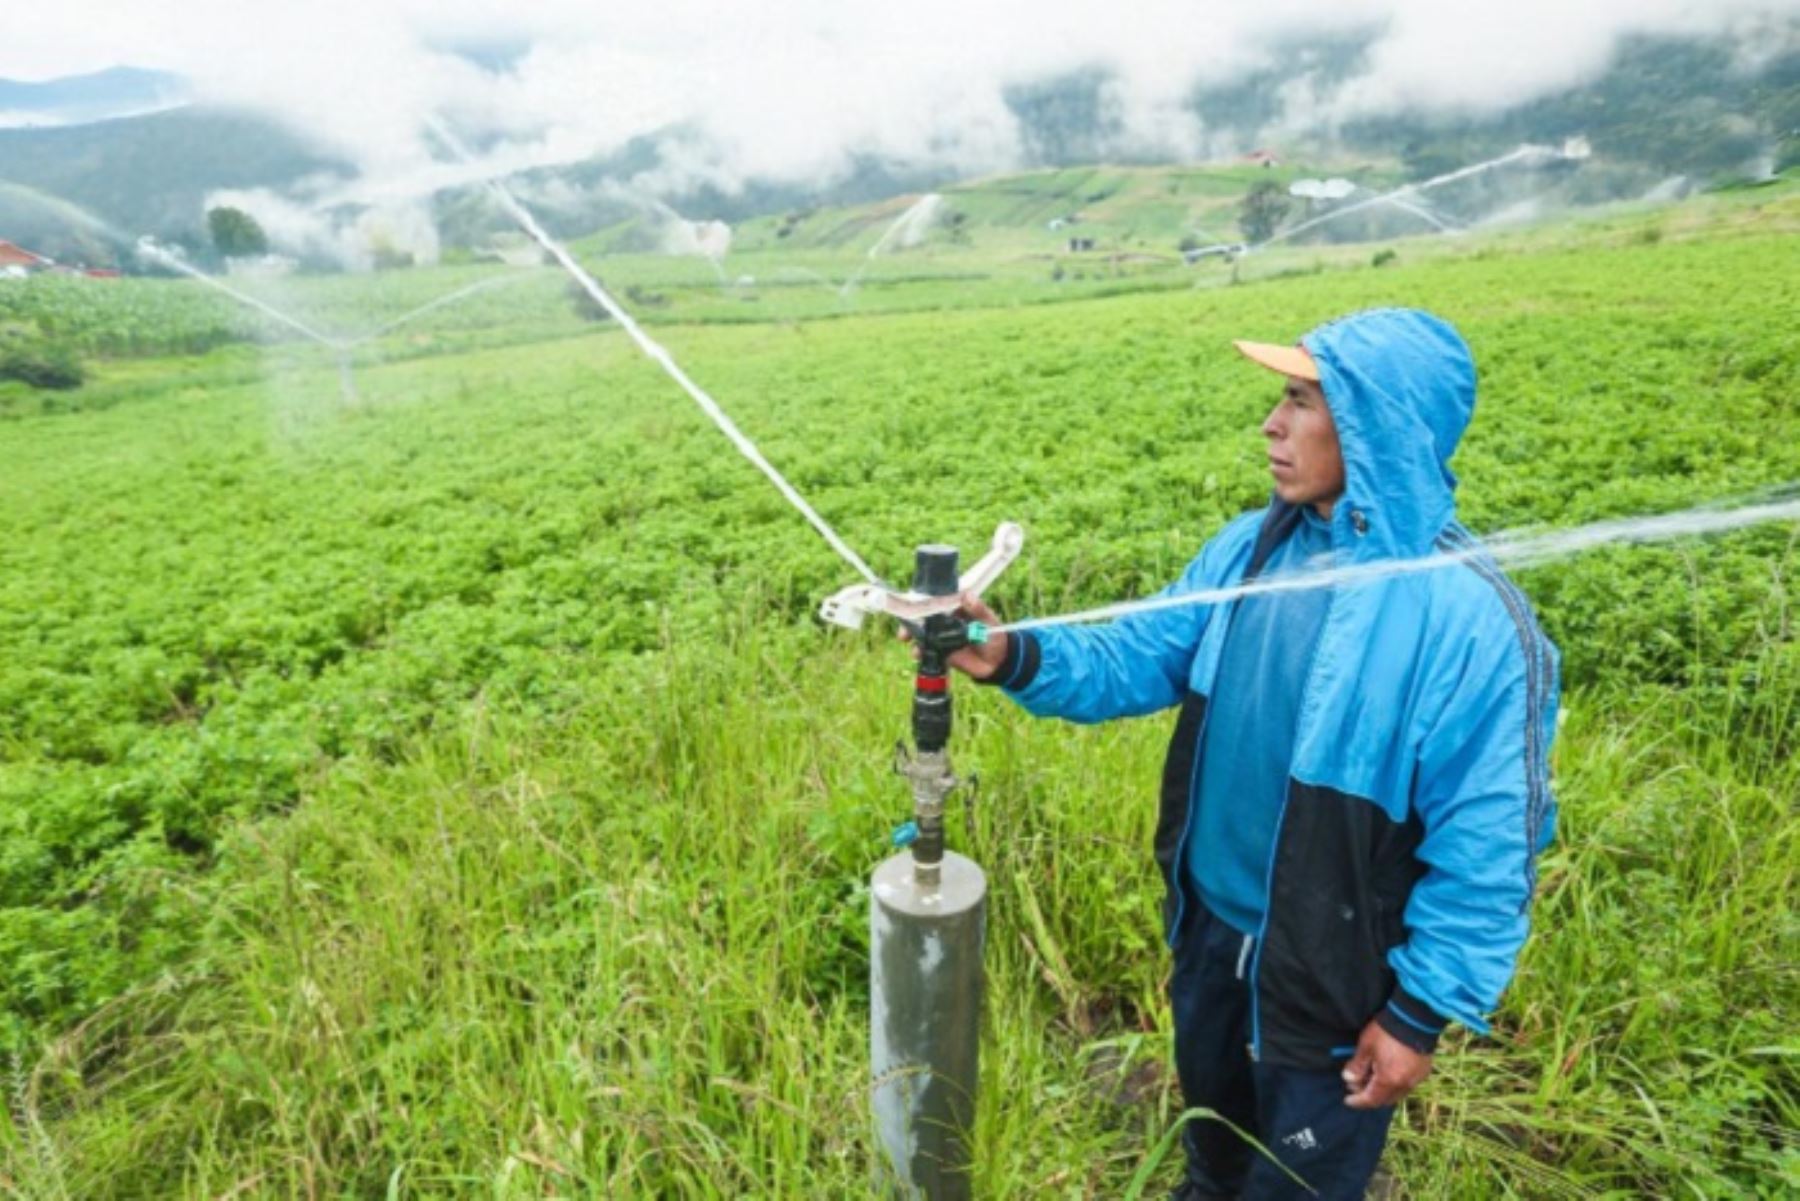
pixel 1287 790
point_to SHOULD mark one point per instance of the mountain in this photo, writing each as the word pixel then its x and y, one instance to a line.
pixel 1663 105
pixel 100 96
pixel 1688 106
pixel 142 175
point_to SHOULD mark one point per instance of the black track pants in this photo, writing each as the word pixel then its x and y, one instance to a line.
pixel 1299 1115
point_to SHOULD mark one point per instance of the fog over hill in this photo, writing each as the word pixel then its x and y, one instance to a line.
pixel 680 112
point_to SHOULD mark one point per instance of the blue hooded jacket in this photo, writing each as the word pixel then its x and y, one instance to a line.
pixel 1418 796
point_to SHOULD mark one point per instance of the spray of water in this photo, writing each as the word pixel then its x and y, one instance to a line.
pixel 1572 150
pixel 906 230
pixel 346 375
pixel 657 354
pixel 339 347
pixel 1513 549
pixel 481 285
pixel 174 262
pixel 1424 213
pixel 708 240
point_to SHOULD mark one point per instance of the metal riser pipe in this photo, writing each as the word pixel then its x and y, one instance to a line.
pixel 925 988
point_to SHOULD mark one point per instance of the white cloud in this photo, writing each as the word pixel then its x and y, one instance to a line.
pixel 356 239
pixel 1483 56
pixel 794 90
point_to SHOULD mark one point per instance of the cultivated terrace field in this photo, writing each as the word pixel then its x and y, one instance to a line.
pixel 441 787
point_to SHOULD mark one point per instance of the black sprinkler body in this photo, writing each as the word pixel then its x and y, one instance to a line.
pixel 938 637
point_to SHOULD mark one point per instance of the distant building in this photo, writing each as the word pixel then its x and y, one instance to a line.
pixel 1077 245
pixel 16 262
pixel 1263 158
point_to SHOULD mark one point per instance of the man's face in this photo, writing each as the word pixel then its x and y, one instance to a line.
pixel 1304 456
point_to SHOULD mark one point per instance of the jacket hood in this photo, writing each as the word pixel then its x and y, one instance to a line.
pixel 1400 384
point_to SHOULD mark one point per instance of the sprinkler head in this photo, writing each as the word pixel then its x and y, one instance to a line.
pixel 934 570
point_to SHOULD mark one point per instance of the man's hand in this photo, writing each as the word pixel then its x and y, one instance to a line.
pixel 1383 1070
pixel 976 662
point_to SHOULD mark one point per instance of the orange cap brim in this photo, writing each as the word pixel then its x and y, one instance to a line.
pixel 1289 360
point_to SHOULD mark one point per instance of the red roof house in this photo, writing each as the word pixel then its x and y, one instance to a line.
pixel 14 256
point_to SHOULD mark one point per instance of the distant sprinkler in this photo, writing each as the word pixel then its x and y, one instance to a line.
pixel 709 240
pixel 346 375
pixel 1407 196
pixel 906 230
pixel 656 353
pixel 340 348
pixel 148 248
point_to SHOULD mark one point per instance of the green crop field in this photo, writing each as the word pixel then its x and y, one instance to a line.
pixel 443 788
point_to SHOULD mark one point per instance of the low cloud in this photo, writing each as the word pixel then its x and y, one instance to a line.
pixel 356 239
pixel 804 90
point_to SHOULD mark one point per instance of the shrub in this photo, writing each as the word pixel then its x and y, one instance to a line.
pixel 584 305
pixel 42 365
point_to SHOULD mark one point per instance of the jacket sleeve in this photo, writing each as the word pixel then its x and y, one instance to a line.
pixel 1483 796
pixel 1131 666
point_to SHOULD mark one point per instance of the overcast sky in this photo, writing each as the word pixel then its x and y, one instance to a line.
pixel 790 88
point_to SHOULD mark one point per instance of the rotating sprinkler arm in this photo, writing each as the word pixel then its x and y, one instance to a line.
pixel 848 607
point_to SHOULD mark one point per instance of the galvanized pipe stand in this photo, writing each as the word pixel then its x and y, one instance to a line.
pixel 928 927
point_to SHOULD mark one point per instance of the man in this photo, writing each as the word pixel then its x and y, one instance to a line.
pixel 1357 786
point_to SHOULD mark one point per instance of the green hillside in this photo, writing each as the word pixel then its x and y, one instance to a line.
pixel 1117 207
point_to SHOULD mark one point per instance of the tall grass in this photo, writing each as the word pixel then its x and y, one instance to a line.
pixel 622 952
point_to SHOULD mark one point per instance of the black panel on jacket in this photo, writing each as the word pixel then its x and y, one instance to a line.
pixel 1343 872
